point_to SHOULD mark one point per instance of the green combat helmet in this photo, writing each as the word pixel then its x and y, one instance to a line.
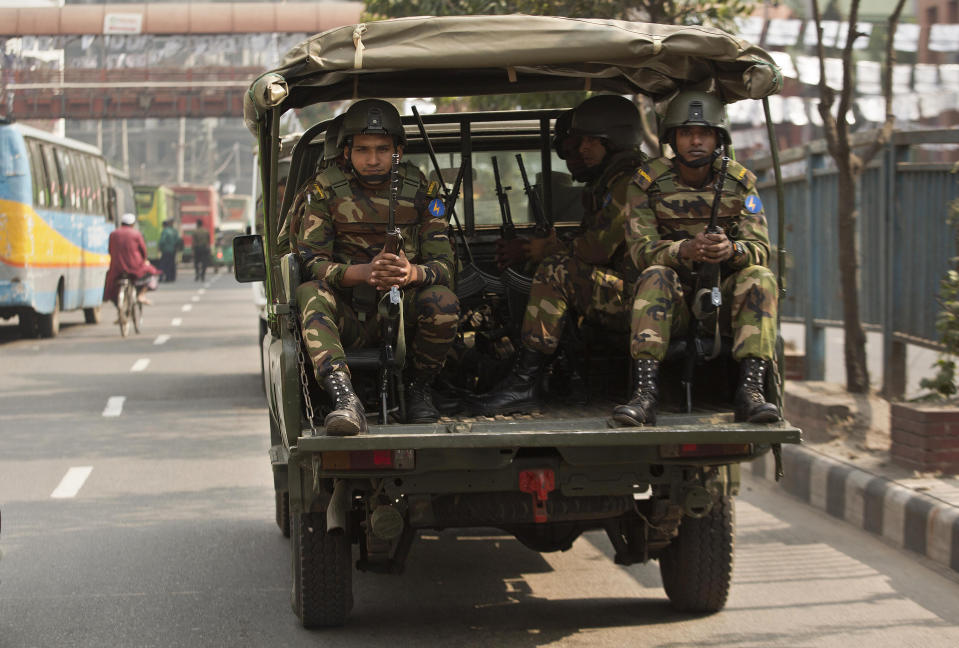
pixel 610 117
pixel 561 132
pixel 694 108
pixel 371 117
pixel 330 149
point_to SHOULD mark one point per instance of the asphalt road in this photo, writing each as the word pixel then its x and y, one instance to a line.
pixel 149 522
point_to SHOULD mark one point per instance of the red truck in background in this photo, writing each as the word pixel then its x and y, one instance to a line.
pixel 197 202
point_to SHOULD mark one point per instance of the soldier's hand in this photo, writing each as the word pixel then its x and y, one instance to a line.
pixel 511 252
pixel 707 248
pixel 391 270
pixel 539 246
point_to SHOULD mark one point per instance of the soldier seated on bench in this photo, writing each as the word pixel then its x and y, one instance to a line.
pixel 670 202
pixel 339 240
pixel 592 274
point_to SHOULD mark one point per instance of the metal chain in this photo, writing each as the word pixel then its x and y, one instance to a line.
pixel 294 322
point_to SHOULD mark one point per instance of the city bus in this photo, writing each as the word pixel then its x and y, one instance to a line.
pixel 154 205
pixel 123 188
pixel 58 211
pixel 197 202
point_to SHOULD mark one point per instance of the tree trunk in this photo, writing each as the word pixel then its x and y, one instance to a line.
pixel 857 372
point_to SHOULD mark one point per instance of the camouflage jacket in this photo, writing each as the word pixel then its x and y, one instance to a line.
pixel 600 239
pixel 664 212
pixel 342 222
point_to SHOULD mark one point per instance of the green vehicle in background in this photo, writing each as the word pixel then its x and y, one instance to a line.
pixel 662 492
pixel 154 205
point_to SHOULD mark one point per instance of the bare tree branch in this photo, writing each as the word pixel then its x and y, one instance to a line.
pixel 886 131
pixel 826 94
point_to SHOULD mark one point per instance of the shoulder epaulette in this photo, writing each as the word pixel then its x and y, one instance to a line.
pixel 334 182
pixel 650 171
pixel 740 174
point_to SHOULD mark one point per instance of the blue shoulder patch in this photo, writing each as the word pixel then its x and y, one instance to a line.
pixel 607 199
pixel 437 208
pixel 753 204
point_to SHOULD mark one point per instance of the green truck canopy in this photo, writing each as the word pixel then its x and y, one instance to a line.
pixel 475 55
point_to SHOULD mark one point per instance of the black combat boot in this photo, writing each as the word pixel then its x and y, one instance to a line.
pixel 751 405
pixel 518 392
pixel 641 409
pixel 419 400
pixel 347 417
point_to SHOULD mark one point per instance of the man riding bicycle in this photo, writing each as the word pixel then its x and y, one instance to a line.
pixel 128 256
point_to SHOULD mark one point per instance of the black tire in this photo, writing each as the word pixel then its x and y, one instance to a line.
pixel 283 512
pixel 697 566
pixel 48 324
pixel 322 572
pixel 91 315
pixel 27 324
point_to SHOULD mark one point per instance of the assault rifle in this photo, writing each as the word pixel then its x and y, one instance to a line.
pixel 543 222
pixel 507 229
pixel 393 320
pixel 471 280
pixel 707 298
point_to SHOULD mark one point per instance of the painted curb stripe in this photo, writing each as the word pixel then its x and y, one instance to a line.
pixel 882 507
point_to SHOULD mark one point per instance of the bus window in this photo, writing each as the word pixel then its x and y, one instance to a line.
pixel 41 188
pixel 102 182
pixel 53 176
pixel 90 185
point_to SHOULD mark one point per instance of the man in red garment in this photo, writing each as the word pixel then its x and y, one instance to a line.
pixel 128 255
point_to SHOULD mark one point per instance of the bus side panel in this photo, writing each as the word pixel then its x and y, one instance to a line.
pixel 38 250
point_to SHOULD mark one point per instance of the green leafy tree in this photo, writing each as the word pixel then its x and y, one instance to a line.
pixel 943 384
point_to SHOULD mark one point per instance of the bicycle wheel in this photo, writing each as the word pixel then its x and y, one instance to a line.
pixel 137 313
pixel 123 308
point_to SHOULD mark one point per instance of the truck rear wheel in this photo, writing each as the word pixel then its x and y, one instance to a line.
pixel 697 566
pixel 322 572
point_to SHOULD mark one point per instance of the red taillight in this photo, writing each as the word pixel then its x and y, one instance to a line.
pixel 368 460
pixel 679 450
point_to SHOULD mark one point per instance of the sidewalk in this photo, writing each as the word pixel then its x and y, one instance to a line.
pixel 844 469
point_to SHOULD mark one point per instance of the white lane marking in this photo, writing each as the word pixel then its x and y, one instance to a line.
pixel 194 299
pixel 201 291
pixel 114 406
pixel 176 321
pixel 162 339
pixel 72 482
pixel 187 308
pixel 140 364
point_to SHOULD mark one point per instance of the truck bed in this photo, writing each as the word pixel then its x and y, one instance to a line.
pixel 556 426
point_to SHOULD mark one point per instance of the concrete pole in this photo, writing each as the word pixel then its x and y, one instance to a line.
pixel 126 146
pixel 181 151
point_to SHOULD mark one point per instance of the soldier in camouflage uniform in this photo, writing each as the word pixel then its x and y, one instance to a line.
pixel 591 274
pixel 332 154
pixel 670 201
pixel 339 241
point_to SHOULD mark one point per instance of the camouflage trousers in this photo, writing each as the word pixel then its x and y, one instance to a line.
pixel 330 324
pixel 562 282
pixel 748 313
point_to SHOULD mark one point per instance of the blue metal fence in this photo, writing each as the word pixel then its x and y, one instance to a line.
pixel 905 241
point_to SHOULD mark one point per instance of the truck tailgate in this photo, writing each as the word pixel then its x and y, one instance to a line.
pixel 540 432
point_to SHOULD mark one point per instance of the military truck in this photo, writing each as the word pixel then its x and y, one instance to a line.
pixel 661 492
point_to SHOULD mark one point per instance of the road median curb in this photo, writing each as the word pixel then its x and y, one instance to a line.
pixel 905 517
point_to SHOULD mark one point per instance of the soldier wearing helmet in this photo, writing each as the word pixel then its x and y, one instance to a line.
pixel 339 241
pixel 332 157
pixel 592 273
pixel 670 202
